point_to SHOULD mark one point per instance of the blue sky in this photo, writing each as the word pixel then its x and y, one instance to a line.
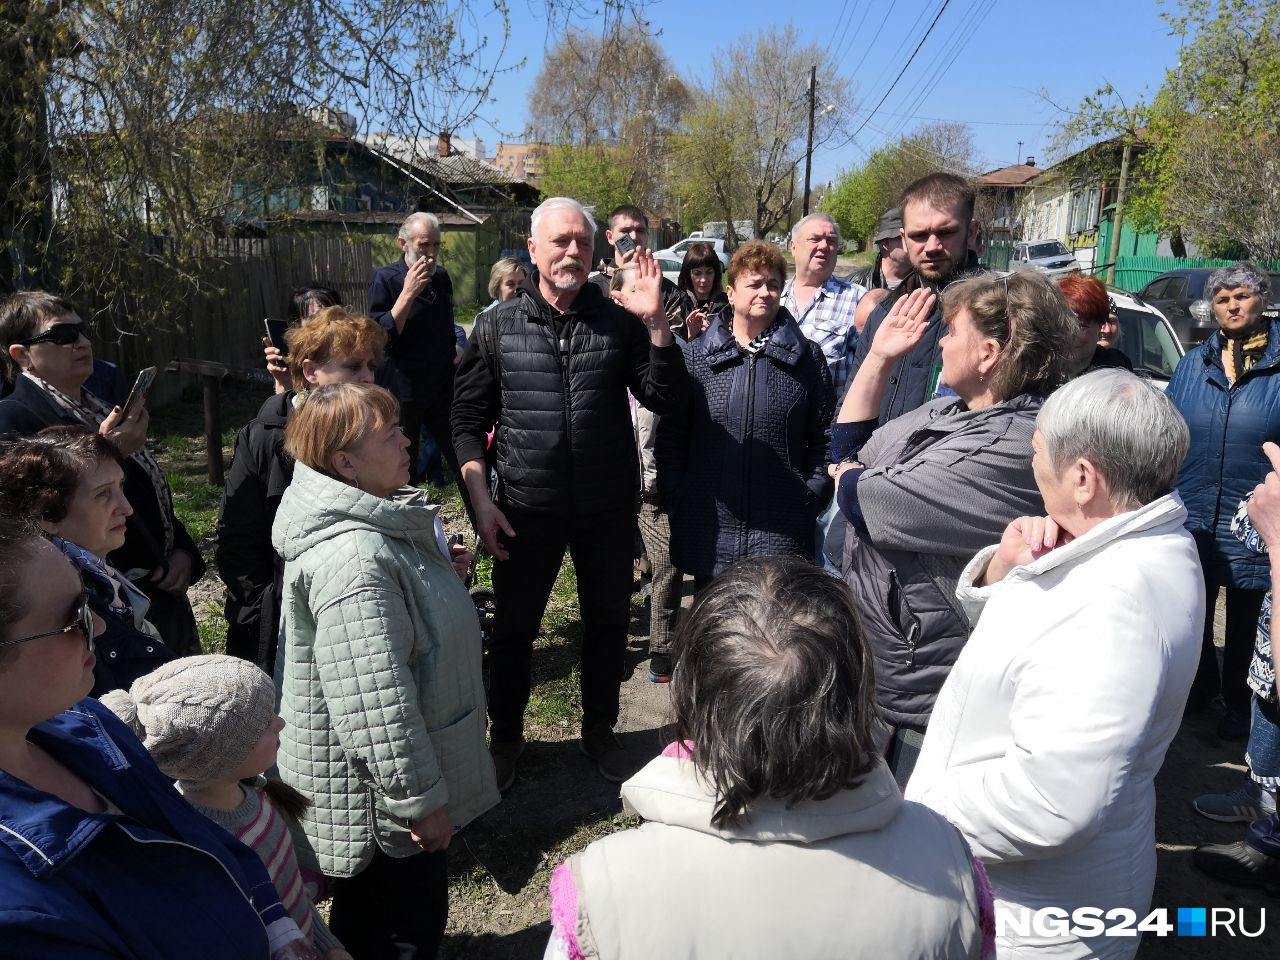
pixel 984 62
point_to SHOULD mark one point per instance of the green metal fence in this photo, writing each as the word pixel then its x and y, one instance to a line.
pixel 1134 273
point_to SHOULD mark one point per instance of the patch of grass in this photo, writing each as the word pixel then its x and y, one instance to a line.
pixel 212 626
pixel 195 501
pixel 555 702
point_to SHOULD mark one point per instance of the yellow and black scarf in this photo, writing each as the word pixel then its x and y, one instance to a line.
pixel 1242 352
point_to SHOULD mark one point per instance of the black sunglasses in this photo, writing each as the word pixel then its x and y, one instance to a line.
pixel 83 621
pixel 63 334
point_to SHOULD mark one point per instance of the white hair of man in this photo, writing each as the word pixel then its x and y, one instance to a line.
pixel 1127 428
pixel 558 203
pixel 824 217
pixel 420 219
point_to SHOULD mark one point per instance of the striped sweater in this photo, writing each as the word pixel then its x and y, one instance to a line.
pixel 258 825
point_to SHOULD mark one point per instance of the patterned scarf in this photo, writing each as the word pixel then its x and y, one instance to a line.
pixel 1242 352
pixel 759 341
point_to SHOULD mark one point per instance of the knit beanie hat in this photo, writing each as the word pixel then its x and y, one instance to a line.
pixel 198 717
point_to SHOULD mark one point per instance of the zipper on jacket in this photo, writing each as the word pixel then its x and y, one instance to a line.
pixel 179 843
pixel 563 354
pixel 744 429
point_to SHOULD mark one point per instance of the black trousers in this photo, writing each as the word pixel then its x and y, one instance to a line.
pixel 1243 607
pixel 601 546
pixel 394 909
pixel 436 418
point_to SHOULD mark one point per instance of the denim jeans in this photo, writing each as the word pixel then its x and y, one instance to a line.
pixel 1263 753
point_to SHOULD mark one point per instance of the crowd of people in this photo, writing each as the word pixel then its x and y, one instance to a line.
pixel 954 569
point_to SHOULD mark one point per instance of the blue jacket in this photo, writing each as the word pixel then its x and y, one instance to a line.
pixel 743 469
pixel 1229 424
pixel 158 882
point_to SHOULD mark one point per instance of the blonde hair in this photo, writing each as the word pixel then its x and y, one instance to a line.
pixel 333 332
pixel 334 418
pixel 620 275
pixel 501 270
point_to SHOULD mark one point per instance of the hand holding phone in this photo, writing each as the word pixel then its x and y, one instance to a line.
pixel 625 246
pixel 275 332
pixel 138 395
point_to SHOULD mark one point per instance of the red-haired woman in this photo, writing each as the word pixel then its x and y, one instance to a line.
pixel 1088 300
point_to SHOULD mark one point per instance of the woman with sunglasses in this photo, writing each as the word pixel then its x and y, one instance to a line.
pixel 92 834
pixel 47 351
pixel 71 483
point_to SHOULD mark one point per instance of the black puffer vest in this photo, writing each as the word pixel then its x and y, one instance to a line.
pixel 564 441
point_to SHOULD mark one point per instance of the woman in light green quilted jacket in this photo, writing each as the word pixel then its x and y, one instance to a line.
pixel 380 674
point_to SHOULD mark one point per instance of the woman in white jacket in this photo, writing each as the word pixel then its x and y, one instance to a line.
pixel 1048 733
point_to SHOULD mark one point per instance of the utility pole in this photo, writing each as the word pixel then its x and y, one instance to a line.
pixel 1117 222
pixel 808 152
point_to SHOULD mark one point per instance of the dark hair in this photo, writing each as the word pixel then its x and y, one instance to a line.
pixel 940 190
pixel 289 801
pixel 39 475
pixel 1027 315
pixel 628 210
pixel 1087 298
pixel 301 297
pixel 20 316
pixel 774 686
pixel 699 255
pixel 19 538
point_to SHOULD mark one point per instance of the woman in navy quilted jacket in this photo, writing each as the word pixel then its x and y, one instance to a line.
pixel 743 470
pixel 1228 389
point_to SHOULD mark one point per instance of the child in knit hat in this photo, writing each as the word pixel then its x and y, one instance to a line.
pixel 210 723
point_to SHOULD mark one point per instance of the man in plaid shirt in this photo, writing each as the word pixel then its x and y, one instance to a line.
pixel 822 304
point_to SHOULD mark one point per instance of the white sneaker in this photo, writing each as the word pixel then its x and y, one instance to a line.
pixel 1242 805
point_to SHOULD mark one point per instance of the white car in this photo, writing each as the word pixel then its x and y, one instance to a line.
pixel 680 249
pixel 670 268
pixel 1050 257
pixel 1146 338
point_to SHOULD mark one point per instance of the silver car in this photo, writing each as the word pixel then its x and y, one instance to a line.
pixel 1050 257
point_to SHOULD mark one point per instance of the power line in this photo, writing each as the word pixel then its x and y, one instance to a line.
pixel 941 10
pixel 844 12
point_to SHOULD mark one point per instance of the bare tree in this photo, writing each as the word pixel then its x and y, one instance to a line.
pixel 616 95
pixel 746 138
pixel 1229 193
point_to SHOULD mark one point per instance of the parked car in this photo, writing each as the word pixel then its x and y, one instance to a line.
pixel 680 249
pixel 1174 292
pixel 1050 257
pixel 670 268
pixel 1146 337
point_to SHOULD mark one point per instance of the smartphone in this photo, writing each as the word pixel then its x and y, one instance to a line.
pixel 275 333
pixel 624 244
pixel 141 387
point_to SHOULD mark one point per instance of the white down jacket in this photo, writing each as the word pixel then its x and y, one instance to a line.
pixel 1049 732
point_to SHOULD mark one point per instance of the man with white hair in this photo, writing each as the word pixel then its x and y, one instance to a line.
pixel 1045 741
pixel 413 299
pixel 551 367
pixel 821 303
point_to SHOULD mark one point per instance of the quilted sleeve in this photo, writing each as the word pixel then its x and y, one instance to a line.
pixel 363 649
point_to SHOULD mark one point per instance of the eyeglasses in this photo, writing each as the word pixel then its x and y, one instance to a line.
pixel 63 334
pixel 83 621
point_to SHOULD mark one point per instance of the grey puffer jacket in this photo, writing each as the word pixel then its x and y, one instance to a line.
pixel 379 672
pixel 941 483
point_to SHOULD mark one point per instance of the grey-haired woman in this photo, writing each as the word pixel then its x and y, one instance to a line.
pixel 1228 391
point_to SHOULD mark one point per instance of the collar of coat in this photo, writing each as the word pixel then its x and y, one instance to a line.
pixel 787 345
pixel 316 508
pixel 1211 352
pixel 670 790
pixel 589 298
pixel 1167 511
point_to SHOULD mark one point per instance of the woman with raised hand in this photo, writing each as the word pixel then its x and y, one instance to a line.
pixel 382 695
pixel 924 492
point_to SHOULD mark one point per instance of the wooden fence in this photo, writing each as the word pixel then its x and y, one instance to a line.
pixel 246 280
